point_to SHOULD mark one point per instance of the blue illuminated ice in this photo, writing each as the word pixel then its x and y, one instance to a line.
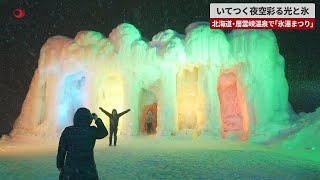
pixel 203 82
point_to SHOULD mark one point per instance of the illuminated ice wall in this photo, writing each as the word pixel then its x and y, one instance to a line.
pixel 204 82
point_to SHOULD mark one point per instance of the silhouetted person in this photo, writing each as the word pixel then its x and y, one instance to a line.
pixel 149 120
pixel 114 119
pixel 75 158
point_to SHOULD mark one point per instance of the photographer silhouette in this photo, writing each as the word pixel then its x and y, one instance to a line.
pixel 75 158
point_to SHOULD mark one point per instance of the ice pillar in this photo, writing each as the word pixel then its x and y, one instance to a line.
pixel 51 103
pixel 132 93
pixel 167 104
pixel 202 104
pixel 33 106
pixel 213 109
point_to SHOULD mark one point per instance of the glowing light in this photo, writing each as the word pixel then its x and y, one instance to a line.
pixel 112 98
pixel 72 95
pixel 246 67
pixel 232 106
pixel 187 99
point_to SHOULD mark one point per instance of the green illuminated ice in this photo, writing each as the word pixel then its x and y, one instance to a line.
pixel 202 83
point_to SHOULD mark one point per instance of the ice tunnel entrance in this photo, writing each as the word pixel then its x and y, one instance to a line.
pixel 72 95
pixel 187 86
pixel 112 89
pixel 231 106
pixel 148 102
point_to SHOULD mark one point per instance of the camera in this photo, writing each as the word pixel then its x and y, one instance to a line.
pixel 94 116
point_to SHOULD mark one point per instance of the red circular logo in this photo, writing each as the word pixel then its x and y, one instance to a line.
pixel 18 13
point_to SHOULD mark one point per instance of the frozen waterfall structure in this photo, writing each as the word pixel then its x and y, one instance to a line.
pixel 204 82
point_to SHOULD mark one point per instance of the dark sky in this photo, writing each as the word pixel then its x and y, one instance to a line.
pixel 21 40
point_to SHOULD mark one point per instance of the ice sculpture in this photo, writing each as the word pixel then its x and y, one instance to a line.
pixel 205 81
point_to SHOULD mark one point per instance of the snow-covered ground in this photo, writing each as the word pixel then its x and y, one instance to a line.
pixel 155 157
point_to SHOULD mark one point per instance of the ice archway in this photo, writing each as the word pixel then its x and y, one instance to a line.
pixel 182 72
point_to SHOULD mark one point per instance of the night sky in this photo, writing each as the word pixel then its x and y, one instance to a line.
pixel 21 40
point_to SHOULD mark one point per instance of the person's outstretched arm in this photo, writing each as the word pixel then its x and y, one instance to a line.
pixel 62 150
pixel 101 130
pixel 106 112
pixel 124 112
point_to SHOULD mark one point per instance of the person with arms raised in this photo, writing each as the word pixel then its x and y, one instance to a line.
pixel 114 120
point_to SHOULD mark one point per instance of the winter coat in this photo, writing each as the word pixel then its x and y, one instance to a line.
pixel 114 118
pixel 149 118
pixel 75 153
